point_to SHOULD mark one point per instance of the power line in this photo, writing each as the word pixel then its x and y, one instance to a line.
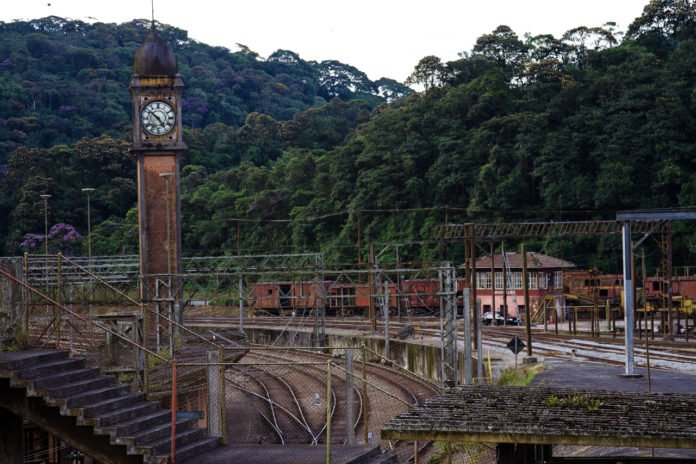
pixel 348 212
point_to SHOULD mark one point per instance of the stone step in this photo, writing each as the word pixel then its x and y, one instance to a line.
pixel 95 396
pixel 38 371
pixel 74 388
pixel 62 378
pixel 112 404
pixel 128 419
pixel 154 433
pixel 191 452
pixel 26 359
pixel 100 401
pixel 143 423
pixel 162 445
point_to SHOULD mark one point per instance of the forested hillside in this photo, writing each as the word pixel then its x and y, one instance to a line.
pixel 518 128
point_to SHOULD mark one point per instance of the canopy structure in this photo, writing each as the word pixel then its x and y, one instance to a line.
pixel 627 219
pixel 543 416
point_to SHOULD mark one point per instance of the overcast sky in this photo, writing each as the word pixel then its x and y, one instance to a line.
pixel 383 38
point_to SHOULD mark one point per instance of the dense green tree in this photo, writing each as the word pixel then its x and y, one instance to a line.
pixel 62 80
pixel 287 155
pixel 429 72
pixel 504 48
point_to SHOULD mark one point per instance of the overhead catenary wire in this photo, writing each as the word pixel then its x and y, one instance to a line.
pixel 348 212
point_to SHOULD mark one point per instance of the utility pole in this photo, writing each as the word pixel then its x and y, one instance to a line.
pixel 359 244
pixel 45 198
pixel 493 308
pixel 472 280
pixel 527 309
pixel 88 191
pixel 505 287
pixel 371 290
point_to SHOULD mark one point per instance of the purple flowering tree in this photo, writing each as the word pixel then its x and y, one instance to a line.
pixel 62 238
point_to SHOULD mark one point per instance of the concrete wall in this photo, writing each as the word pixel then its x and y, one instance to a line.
pixel 417 355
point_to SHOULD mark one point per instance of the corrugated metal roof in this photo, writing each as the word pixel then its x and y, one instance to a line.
pixel 544 415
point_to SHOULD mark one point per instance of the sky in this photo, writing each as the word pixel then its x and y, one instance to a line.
pixel 383 38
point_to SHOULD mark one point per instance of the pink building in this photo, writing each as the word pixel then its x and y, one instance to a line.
pixel 544 273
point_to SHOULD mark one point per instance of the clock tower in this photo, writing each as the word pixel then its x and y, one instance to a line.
pixel 156 89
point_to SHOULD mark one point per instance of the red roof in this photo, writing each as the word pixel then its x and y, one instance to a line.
pixel 534 261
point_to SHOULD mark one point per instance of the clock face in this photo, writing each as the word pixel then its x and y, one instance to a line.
pixel 157 118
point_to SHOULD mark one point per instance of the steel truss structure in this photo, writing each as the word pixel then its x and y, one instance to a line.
pixel 485 232
pixel 230 286
pixel 448 325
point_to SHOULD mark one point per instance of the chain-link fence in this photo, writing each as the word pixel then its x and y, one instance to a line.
pixel 336 400
pixel 11 298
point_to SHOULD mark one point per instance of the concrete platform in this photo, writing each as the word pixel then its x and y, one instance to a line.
pixel 565 373
pixel 292 454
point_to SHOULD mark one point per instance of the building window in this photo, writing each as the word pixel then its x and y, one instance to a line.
pixel 517 280
pixel 542 280
pixel 483 280
pixel 558 279
pixel 532 280
pixel 499 280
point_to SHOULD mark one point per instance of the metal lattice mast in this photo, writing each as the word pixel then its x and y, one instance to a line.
pixel 507 275
pixel 319 303
pixel 448 324
pixel 665 274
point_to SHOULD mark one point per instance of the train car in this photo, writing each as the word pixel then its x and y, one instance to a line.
pixel 585 283
pixel 414 297
pixel 683 293
pixel 346 299
pixel 289 297
pixel 267 296
pixel 421 296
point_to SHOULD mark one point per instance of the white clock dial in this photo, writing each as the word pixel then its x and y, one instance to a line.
pixel 157 118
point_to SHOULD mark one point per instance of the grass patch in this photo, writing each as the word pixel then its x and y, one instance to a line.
pixel 20 341
pixel 579 401
pixel 520 377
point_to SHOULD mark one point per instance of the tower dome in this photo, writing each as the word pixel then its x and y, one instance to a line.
pixel 154 57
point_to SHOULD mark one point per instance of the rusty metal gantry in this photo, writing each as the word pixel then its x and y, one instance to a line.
pixel 473 232
pixel 643 222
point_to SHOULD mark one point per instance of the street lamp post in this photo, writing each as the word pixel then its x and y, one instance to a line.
pixel 88 191
pixel 45 198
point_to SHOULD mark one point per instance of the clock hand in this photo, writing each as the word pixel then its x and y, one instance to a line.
pixel 161 121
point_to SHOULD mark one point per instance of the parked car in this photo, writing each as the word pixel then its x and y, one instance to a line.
pixel 489 318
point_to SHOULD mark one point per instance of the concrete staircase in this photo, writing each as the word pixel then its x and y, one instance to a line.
pixel 133 425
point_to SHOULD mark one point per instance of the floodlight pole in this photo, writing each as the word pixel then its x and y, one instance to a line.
pixel 628 296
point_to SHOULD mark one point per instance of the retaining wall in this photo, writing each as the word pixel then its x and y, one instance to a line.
pixel 419 355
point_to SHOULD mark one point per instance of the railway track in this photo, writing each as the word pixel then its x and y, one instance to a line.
pixel 281 393
pixel 664 354
pixel 672 355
